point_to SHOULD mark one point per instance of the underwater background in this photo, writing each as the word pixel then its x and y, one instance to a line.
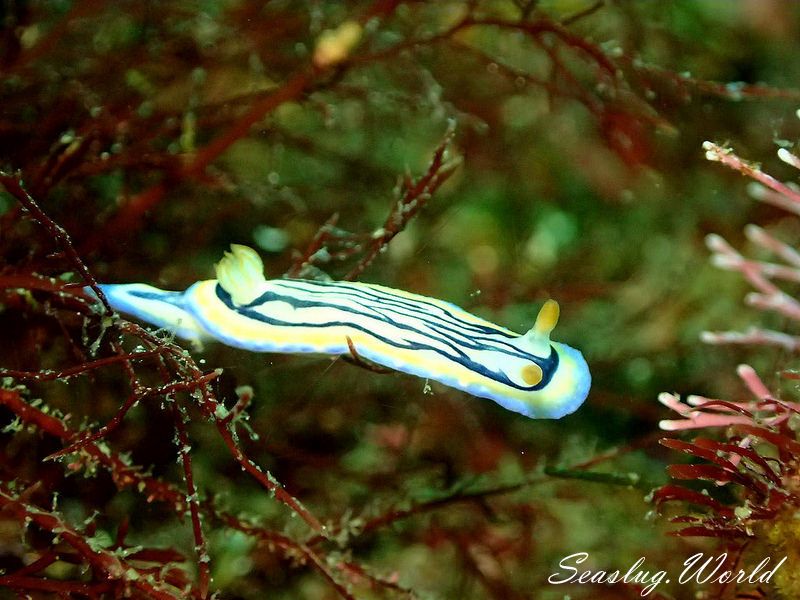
pixel 490 153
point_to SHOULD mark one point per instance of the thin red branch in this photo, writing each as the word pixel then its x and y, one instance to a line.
pixel 730 159
pixel 154 489
pixel 133 399
pixel 57 586
pixel 414 197
pixel 129 217
pixel 192 500
pixel 64 374
pixel 109 564
pixel 306 259
pixel 295 87
pixel 13 185
pixel 730 91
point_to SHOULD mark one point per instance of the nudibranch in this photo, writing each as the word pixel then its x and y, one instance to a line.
pixel 429 338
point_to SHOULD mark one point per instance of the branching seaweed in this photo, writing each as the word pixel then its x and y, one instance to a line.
pixel 760 453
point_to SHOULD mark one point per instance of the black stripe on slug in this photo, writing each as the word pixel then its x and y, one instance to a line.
pixel 452 337
pixel 439 320
pixel 385 297
pixel 174 298
pixel 377 313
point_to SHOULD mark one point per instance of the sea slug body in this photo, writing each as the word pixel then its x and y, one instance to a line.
pixel 528 374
